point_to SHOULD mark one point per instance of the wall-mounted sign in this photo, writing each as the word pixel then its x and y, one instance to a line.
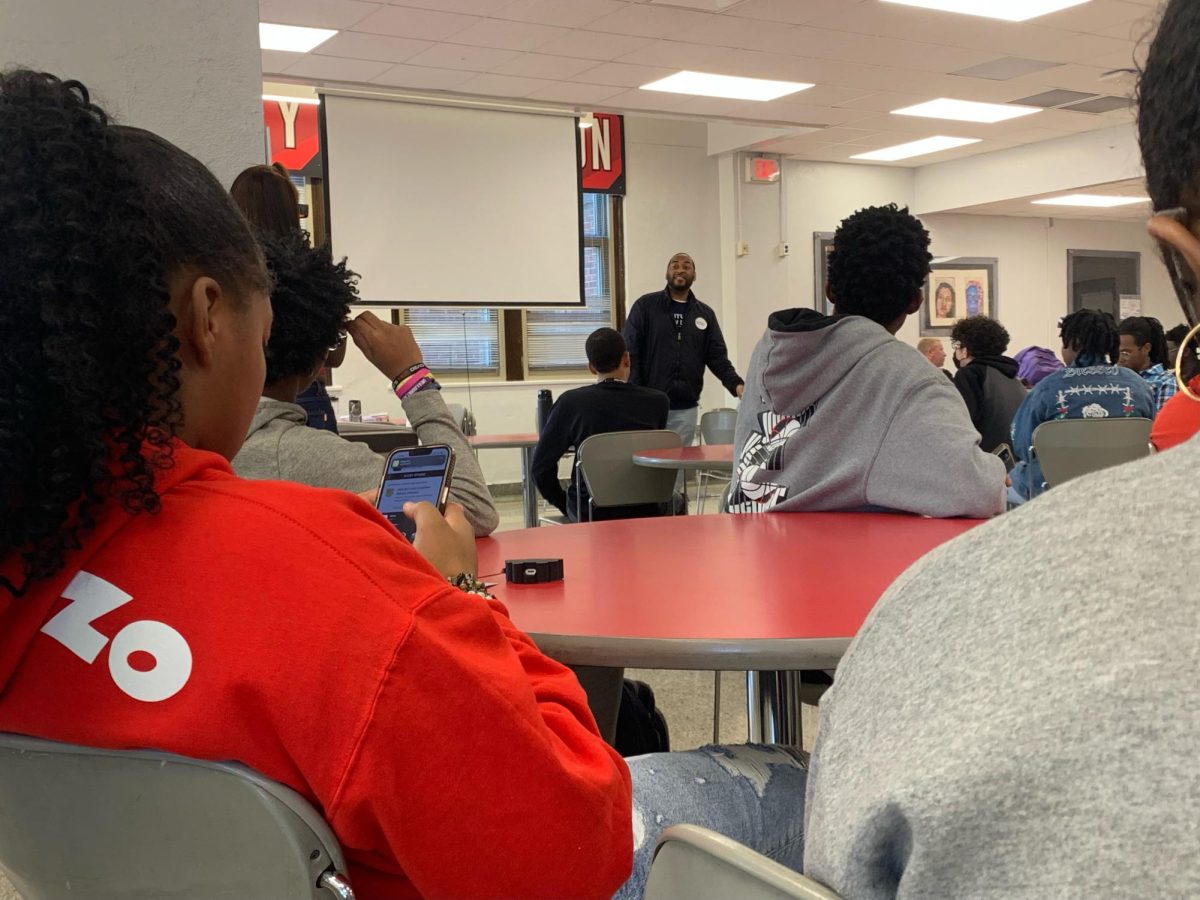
pixel 293 135
pixel 602 150
pixel 762 170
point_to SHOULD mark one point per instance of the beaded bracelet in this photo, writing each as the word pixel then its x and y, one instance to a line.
pixel 469 584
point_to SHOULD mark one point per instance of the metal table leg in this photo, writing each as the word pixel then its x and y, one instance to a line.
pixel 528 491
pixel 773 700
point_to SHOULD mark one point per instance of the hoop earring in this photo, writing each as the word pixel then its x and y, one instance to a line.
pixel 1179 364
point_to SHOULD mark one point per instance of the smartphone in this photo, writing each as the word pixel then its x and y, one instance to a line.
pixel 1006 454
pixel 413 474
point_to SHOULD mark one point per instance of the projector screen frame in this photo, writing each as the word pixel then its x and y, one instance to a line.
pixel 323 130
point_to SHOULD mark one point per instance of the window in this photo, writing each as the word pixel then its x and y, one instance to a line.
pixel 453 339
pixel 554 338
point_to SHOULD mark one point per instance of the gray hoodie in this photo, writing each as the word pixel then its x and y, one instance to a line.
pixel 839 415
pixel 281 446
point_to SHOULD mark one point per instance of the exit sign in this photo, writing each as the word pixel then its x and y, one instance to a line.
pixel 762 170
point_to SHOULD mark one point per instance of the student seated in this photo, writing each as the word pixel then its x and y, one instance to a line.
pixel 1144 350
pixel 1017 718
pixel 150 598
pixel 1090 386
pixel 839 415
pixel 986 378
pixel 1178 420
pixel 311 297
pixel 1034 364
pixel 611 404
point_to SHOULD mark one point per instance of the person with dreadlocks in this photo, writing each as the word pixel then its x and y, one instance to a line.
pixel 1090 386
pixel 1143 349
pixel 839 415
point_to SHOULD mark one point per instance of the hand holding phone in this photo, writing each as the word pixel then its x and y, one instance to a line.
pixel 447 542
pixel 414 475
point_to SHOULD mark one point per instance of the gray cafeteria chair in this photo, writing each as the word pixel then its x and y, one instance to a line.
pixel 693 863
pixel 78 822
pixel 717 426
pixel 613 479
pixel 1068 448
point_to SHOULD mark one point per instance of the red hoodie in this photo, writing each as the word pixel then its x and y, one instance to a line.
pixel 291 629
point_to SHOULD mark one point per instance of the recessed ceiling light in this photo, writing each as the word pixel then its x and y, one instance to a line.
pixel 917 148
pixel 294 38
pixel 1009 10
pixel 705 84
pixel 967 110
pixel 1097 201
pixel 283 98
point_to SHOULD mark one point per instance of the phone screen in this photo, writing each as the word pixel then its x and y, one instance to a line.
pixel 411 475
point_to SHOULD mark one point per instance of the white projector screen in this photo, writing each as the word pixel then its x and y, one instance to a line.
pixel 438 205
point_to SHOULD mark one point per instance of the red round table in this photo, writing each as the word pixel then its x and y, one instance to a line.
pixel 772 593
pixel 705 456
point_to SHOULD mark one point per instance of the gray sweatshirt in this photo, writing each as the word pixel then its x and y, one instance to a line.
pixel 281 446
pixel 1018 717
pixel 839 415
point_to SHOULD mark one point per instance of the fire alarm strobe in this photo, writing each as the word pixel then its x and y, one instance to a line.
pixel 533 571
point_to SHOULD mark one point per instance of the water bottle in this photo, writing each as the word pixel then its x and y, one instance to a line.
pixel 355 410
pixel 545 401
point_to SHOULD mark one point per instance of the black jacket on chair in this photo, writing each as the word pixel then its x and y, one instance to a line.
pixel 993 394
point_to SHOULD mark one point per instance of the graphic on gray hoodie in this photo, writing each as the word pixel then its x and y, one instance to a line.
pixel 839 415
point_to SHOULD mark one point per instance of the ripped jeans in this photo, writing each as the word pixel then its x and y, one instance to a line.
pixel 753 793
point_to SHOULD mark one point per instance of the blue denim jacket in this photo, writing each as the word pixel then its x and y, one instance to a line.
pixel 1088 388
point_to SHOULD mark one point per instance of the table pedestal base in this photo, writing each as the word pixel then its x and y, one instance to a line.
pixel 773 708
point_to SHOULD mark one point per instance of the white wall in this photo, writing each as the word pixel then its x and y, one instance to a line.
pixel 672 205
pixel 187 70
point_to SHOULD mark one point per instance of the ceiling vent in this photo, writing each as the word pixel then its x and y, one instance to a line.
pixel 1054 99
pixel 1006 68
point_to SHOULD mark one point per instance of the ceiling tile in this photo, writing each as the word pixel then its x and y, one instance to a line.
pixel 789 10
pixel 421 78
pixel 1099 14
pixel 460 56
pixel 467 7
pixel 623 75
pixel 415 23
pixel 747 34
pixel 334 68
pixel 807 114
pixel 650 21
pixel 576 94
pixel 720 106
pixel 508 35
pixel 645 100
pixel 676 54
pixel 379 47
pixel 276 61
pixel 568 13
pixel 315 13
pixel 594 45
pixel 503 85
pixel 539 65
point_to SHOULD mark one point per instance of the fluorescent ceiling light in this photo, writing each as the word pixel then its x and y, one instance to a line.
pixel 303 101
pixel 293 38
pixel 730 87
pixel 1008 10
pixel 917 148
pixel 1097 201
pixel 967 110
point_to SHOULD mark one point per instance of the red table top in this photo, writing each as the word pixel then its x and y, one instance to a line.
pixel 735 579
pixel 502 440
pixel 706 453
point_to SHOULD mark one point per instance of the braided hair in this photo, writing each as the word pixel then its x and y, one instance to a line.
pixel 94 219
pixel 1091 333
pixel 879 263
pixel 1147 330
pixel 1169 111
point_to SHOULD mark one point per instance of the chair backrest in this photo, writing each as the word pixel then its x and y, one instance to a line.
pixel 717 426
pixel 137 825
pixel 380 438
pixel 693 863
pixel 610 475
pixel 1068 448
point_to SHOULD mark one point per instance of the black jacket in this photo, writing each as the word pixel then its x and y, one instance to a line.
pixel 992 393
pixel 673 361
pixel 576 416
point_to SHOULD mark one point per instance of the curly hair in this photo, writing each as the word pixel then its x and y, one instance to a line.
pixel 310 299
pixel 1168 110
pixel 879 263
pixel 981 335
pixel 1147 330
pixel 94 220
pixel 268 199
pixel 1091 333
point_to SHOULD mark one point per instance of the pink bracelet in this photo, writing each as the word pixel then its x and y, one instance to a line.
pixel 406 387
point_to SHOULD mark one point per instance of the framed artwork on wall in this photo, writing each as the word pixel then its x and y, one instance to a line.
pixel 822 247
pixel 958 287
